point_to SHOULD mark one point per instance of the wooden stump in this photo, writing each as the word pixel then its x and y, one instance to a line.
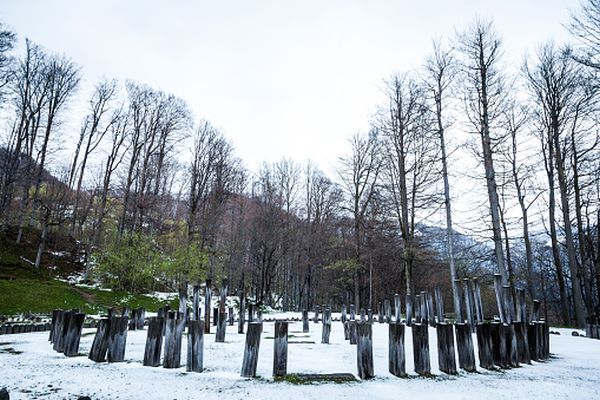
pixel 141 318
pixel 388 311
pixel 154 340
pixel 207 305
pixel 215 316
pixel 380 316
pixel 420 338
pixel 280 348
pixel 477 301
pixel 196 302
pixel 173 337
pixel 195 346
pixel 230 318
pixel 352 331
pixel 117 339
pixel 370 317
pixel 464 342
pixel 397 309
pixel 396 352
pixel 484 345
pixel 512 346
pixel 52 325
pixel 445 345
pixel 364 350
pixel 74 335
pixel 133 320
pixel 439 305
pixel 241 314
pixel 316 316
pixel 409 309
pixel 100 343
pixel 251 350
pixel 499 345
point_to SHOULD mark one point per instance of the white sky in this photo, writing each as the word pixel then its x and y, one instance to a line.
pixel 282 78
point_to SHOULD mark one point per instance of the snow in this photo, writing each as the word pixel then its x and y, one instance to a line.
pixel 573 372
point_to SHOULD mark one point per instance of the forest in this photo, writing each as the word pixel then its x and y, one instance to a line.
pixel 157 200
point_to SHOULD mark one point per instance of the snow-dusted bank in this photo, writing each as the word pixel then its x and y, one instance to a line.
pixel 30 369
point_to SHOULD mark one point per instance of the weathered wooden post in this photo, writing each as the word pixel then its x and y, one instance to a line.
pixel 222 316
pixel 352 331
pixel 100 343
pixel 316 316
pixel 196 302
pixel 195 346
pixel 423 308
pixel 230 317
pixel 430 309
pixel 251 350
pixel 57 316
pixel 173 337
pixel 464 342
pixel 445 344
pixel 477 300
pixel 74 335
pixel 388 311
pixel 133 320
pixel 420 338
pixel 215 318
pixel 370 317
pixel 397 308
pixel 251 312
pixel 345 323
pixel 468 294
pixel 117 339
pixel 352 311
pixel 363 316
pixel 380 316
pixel 364 350
pixel 154 341
pixel 61 323
pixel 439 305
pixel 458 314
pixel 141 318
pixel 326 326
pixel 280 348
pixel 499 344
pixel 418 309
pixel 409 309
pixel 241 313
pixel 396 352
pixel 305 327
pixel 484 346
pixel 207 305
pixel 53 324
pixel 499 300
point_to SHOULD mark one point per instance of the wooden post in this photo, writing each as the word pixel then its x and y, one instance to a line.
pixel 397 308
pixel 352 331
pixel 508 304
pixel 57 324
pixel 430 309
pixel 100 343
pixel 53 324
pixel 445 344
pixel 532 341
pixel 499 345
pixel 370 317
pixel 499 297
pixel 196 302
pixel 363 316
pixel 388 311
pixel 241 313
pixel 251 350
pixel 316 317
pixel 154 341
pixel 173 336
pixel 61 330
pixel 477 301
pixel 396 353
pixel 133 320
pixel 305 326
pixel 280 348
pixel 513 348
pixel 215 318
pixel 458 315
pixel 439 305
pixel 352 312
pixel 364 350
pixel 230 316
pixel 420 337
pixel 222 316
pixel 522 342
pixel 207 305
pixel 117 339
pixel 74 335
pixel 484 345
pixel 522 305
pixel 195 346
pixel 409 309
pixel 464 342
pixel 380 316
pixel 424 308
pixel 468 294
pixel 345 323
pixel 326 326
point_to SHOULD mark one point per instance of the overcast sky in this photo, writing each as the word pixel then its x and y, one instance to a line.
pixel 281 78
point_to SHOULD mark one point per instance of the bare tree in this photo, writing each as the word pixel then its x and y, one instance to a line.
pixel 483 84
pixel 585 26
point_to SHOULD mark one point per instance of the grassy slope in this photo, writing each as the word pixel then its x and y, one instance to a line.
pixel 26 289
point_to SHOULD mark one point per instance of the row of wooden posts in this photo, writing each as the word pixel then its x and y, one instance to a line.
pixel 507 342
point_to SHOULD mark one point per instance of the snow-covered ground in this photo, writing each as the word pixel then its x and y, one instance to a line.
pixel 573 372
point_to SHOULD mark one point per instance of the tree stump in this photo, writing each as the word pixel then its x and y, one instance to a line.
pixel 251 350
pixel 445 345
pixel 117 339
pixel 364 350
pixel 154 340
pixel 280 348
pixel 420 338
pixel 396 351
pixel 195 346
pixel 464 342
